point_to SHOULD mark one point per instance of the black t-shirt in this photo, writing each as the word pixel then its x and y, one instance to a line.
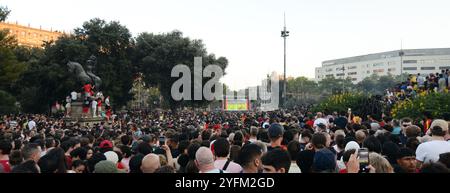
pixel 398 169
pixel 26 167
pixel 270 148
pixel 341 122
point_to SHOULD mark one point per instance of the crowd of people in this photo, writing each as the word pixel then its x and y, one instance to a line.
pixel 419 84
pixel 186 141
pixel 94 104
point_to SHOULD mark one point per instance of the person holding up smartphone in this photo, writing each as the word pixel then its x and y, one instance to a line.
pixel 354 166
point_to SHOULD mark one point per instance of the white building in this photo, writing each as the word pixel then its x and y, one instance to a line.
pixel 424 61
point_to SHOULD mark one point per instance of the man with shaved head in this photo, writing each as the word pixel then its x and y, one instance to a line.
pixel 150 163
pixel 204 160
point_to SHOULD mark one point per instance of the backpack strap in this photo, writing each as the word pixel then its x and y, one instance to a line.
pixel 226 165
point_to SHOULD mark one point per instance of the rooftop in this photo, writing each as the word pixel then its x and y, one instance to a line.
pixel 390 54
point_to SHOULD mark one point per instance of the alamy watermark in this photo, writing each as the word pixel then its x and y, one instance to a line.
pixel 269 97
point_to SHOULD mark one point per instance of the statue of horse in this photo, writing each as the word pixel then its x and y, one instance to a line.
pixel 83 76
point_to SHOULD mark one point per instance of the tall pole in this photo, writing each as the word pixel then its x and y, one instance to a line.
pixel 343 79
pixel 284 34
pixel 401 53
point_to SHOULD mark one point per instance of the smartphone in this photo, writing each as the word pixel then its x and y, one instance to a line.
pixel 162 140
pixel 363 155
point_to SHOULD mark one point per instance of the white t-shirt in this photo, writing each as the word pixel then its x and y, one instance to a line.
pixel 73 95
pixel 294 168
pixel 215 171
pixel 31 124
pixel 232 167
pixel 430 151
pixel 94 104
pixel 320 120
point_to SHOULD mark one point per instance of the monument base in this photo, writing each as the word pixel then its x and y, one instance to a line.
pixel 83 121
pixel 76 116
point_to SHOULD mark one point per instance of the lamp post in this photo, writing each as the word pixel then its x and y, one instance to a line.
pixel 284 35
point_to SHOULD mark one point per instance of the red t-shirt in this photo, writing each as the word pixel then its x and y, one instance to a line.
pixel 69 161
pixel 87 88
pixel 310 123
pixel 6 166
pixel 120 166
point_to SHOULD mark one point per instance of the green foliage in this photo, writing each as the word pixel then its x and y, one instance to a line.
pixel 302 91
pixel 377 85
pixel 157 54
pixel 333 85
pixel 436 103
pixel 7 103
pixel 10 68
pixel 48 80
pixel 361 104
pixel 4 12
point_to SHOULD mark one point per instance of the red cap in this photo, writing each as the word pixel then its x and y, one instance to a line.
pixel 106 144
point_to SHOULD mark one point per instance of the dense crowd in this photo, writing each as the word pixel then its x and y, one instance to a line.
pixel 417 85
pixel 284 141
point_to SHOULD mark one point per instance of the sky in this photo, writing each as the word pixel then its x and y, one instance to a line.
pixel 247 32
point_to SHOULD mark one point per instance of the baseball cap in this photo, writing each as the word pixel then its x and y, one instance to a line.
pixel 106 144
pixel 105 166
pixel 111 156
pixel 146 139
pixel 265 125
pixel 405 152
pixel 275 130
pixel 441 123
pixel 324 160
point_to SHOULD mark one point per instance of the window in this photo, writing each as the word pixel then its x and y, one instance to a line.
pixel 428 68
pixel 354 79
pixel 340 68
pixel 391 69
pixel 329 76
pixel 368 72
pixel 352 67
pixel 444 67
pixel 378 64
pixel 378 71
pixel 340 74
pixel 426 61
pixel 352 73
pixel 392 63
pixel 410 62
pixel 410 68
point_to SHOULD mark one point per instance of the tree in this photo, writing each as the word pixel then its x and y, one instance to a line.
pixel 7 103
pixel 4 12
pixel 48 80
pixel 112 43
pixel 377 85
pixel 331 85
pixel 157 54
pixel 301 91
pixel 10 68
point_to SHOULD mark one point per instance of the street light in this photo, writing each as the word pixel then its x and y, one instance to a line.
pixel 284 35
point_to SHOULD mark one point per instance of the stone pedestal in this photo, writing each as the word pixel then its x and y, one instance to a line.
pixel 75 116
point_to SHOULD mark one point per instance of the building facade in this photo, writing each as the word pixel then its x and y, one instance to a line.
pixel 28 36
pixel 411 61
